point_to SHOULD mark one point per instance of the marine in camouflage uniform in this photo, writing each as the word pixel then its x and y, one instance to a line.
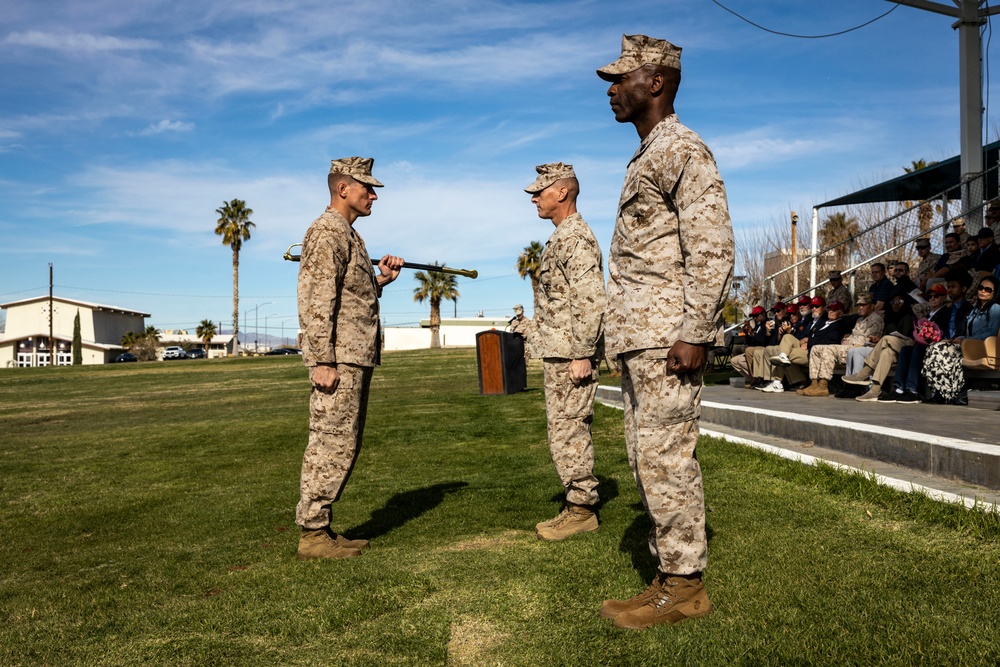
pixel 338 294
pixel 568 336
pixel 824 358
pixel 838 290
pixel 670 266
pixel 524 326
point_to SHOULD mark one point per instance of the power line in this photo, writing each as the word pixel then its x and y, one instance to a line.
pixel 788 34
pixel 186 296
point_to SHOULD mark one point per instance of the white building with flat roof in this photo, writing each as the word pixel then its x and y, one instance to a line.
pixel 25 340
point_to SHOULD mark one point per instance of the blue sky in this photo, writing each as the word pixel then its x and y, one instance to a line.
pixel 124 125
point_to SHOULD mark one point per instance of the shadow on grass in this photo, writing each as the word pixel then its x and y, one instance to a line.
pixel 635 542
pixel 404 507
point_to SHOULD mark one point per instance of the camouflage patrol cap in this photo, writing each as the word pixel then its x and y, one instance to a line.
pixel 549 174
pixel 864 299
pixel 518 308
pixel 639 50
pixel 358 168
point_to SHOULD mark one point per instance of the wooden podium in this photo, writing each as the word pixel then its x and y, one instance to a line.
pixel 500 356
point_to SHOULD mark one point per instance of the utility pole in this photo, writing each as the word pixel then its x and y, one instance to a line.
pixel 52 338
pixel 970 16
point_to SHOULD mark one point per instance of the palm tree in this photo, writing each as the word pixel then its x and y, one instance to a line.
pixel 206 332
pixel 529 263
pixel 129 339
pixel 152 333
pixel 925 214
pixel 435 286
pixel 837 228
pixel 234 227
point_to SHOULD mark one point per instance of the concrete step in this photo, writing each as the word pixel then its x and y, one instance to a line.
pixel 921 438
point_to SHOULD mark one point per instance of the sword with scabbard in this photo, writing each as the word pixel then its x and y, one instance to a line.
pixel 468 273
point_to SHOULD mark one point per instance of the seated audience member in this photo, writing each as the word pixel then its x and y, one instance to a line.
pixel 897 332
pixel 958 227
pixel 911 357
pixel 928 260
pixel 838 290
pixel 787 359
pixel 989 254
pixel 992 217
pixel 797 324
pixel 904 284
pixel 824 358
pixel 982 323
pixel 951 259
pixel 755 335
pixel 943 360
pixel 881 287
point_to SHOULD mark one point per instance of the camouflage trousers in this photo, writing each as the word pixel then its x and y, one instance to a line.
pixel 824 358
pixel 661 432
pixel 336 427
pixel 569 409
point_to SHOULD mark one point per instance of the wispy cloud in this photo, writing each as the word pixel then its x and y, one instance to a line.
pixel 78 42
pixel 166 126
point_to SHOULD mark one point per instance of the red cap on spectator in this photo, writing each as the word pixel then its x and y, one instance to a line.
pixel 835 305
pixel 778 306
pixel 757 310
pixel 792 308
pixel 803 300
pixel 818 301
pixel 937 288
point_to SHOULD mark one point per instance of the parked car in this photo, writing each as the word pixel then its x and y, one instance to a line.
pixel 174 352
pixel 197 353
pixel 124 357
pixel 283 350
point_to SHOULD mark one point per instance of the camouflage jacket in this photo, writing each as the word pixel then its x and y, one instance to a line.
pixel 863 329
pixel 671 260
pixel 841 294
pixel 338 295
pixel 569 304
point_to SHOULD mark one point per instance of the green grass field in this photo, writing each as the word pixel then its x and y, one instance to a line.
pixel 148 518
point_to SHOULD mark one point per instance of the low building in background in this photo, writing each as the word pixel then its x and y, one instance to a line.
pixel 25 341
pixel 455 332
pixel 222 345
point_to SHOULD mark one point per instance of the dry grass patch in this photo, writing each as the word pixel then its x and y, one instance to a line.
pixel 472 641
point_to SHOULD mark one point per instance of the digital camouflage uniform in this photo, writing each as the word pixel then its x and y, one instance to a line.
pixel 526 327
pixel 670 266
pixel 339 317
pixel 841 294
pixel 569 311
pixel 824 358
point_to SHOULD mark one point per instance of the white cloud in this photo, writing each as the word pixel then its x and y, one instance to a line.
pixel 78 42
pixel 167 126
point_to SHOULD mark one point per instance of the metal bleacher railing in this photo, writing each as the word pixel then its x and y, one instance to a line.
pixel 889 235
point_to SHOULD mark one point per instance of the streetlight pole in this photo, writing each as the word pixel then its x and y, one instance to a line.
pixel 283 331
pixel 267 340
pixel 971 16
pixel 256 321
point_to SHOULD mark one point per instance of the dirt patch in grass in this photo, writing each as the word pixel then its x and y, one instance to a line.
pixel 471 641
pixel 483 542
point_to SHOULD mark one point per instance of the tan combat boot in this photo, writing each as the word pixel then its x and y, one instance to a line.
pixel 360 545
pixel 611 608
pixel 321 544
pixel 801 391
pixel 678 598
pixel 572 520
pixel 818 388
